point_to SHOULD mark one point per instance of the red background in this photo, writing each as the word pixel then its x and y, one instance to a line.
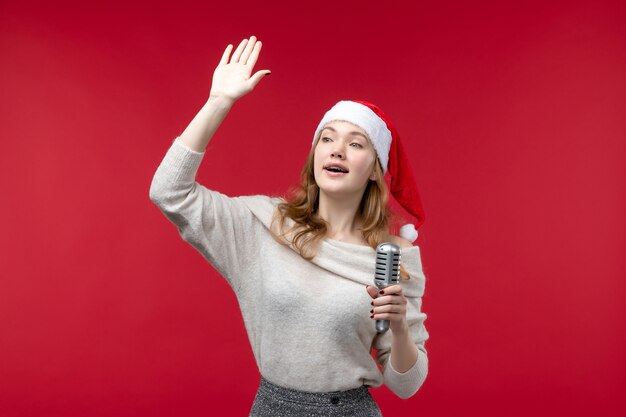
pixel 513 116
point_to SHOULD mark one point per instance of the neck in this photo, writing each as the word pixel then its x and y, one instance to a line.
pixel 340 212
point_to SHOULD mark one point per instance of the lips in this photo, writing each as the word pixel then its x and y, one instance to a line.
pixel 335 167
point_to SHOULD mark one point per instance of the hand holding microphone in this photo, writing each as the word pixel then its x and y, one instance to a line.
pixel 389 304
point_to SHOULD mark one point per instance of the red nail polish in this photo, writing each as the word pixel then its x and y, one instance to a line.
pixel 382 292
pixel 372 303
pixel 372 311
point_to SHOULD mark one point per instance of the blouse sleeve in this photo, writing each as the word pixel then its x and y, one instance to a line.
pixel 221 228
pixel 406 384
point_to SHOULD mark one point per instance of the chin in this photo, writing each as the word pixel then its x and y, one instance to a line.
pixel 336 191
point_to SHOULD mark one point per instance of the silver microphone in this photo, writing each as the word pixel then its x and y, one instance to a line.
pixel 387 273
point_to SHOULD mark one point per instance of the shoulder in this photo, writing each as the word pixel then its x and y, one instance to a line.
pixel 260 199
pixel 262 206
pixel 400 241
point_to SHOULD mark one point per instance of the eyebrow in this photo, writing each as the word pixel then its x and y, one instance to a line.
pixel 354 132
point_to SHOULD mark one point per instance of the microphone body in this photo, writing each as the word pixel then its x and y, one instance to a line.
pixel 387 273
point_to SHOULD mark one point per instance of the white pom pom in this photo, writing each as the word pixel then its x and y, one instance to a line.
pixel 408 232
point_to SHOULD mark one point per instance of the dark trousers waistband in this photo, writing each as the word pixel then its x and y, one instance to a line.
pixel 317 398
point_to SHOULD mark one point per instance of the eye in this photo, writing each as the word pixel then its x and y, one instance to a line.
pixel 324 139
pixel 358 145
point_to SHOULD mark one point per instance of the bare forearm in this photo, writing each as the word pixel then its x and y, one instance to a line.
pixel 403 352
pixel 201 129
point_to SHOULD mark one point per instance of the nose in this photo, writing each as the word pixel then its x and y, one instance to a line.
pixel 337 150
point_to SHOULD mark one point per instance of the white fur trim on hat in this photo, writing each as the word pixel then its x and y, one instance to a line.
pixel 366 119
pixel 409 232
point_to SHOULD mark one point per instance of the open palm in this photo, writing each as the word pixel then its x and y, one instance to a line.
pixel 231 79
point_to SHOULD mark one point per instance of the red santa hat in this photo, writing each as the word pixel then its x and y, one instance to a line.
pixel 390 152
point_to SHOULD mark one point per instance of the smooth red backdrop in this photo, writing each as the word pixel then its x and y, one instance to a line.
pixel 514 116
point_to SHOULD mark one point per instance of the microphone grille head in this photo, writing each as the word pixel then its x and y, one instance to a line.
pixel 387 264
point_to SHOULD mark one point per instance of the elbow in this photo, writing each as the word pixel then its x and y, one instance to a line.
pixel 406 384
pixel 405 395
pixel 155 196
pixel 158 192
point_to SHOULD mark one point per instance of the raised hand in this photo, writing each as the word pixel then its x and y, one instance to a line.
pixel 231 79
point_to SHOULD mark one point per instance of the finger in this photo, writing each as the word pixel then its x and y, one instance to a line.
pixel 387 316
pixel 392 289
pixel 372 291
pixel 390 308
pixel 247 50
pixel 254 55
pixel 254 80
pixel 225 55
pixel 238 51
pixel 389 299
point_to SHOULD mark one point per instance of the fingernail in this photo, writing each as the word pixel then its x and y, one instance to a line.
pixel 382 292
pixel 372 311
pixel 372 316
pixel 372 303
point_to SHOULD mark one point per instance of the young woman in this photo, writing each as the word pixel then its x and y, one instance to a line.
pixel 302 267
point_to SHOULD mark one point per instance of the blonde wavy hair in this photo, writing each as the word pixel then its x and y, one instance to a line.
pixel 309 229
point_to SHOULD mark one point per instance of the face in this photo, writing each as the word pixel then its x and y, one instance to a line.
pixel 345 145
